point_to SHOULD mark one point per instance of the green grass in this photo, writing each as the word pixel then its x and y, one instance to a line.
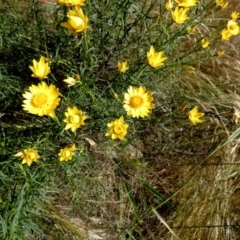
pixel 168 179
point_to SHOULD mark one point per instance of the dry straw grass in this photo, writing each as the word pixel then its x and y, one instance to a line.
pixel 209 204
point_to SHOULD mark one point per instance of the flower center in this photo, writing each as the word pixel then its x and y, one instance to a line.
pixel 118 129
pixel 67 154
pixel 136 102
pixel 232 27
pixel 75 119
pixel 30 156
pixel 39 99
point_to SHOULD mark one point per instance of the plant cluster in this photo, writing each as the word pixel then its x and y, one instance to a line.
pixel 43 99
pixel 106 71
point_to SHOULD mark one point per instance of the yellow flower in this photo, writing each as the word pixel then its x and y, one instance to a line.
pixel 115 95
pixel 179 15
pixel 236 116
pixel 186 3
pixel 169 5
pixel 74 119
pixel 191 30
pixel 235 15
pixel 78 77
pixel 220 53
pixel 225 34
pixel 155 59
pixel 41 99
pixel 191 69
pixel 117 129
pixel 67 154
pixel 122 67
pixel 28 155
pixel 205 43
pixel 138 102
pixel 40 69
pixel 222 3
pixel 77 21
pixel 70 81
pixel 233 27
pixel 70 3
pixel 194 116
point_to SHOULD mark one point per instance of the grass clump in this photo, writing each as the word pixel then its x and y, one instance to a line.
pixel 116 116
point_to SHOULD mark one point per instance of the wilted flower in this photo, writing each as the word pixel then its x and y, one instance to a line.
pixel 138 102
pixel 225 34
pixel 67 154
pixel 70 81
pixel 194 116
pixel 222 3
pixel 40 69
pixel 155 59
pixel 186 3
pixel 41 99
pixel 70 3
pixel 179 15
pixel 77 21
pixel 233 27
pixel 117 129
pixel 74 119
pixel 235 15
pixel 205 43
pixel 28 155
pixel 122 67
pixel 169 5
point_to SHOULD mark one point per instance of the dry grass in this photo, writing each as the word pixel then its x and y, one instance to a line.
pixel 208 203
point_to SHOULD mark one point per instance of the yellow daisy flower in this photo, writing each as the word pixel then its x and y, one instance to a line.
pixel 41 99
pixel 77 21
pixel 40 69
pixel 74 119
pixel 191 69
pixel 70 81
pixel 138 102
pixel 233 27
pixel 117 129
pixel 222 3
pixel 226 34
pixel 205 43
pixel 235 15
pixel 220 53
pixel 169 5
pixel 122 67
pixel 70 3
pixel 186 3
pixel 236 116
pixel 194 116
pixel 67 154
pixel 28 155
pixel 191 30
pixel 179 15
pixel 155 59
